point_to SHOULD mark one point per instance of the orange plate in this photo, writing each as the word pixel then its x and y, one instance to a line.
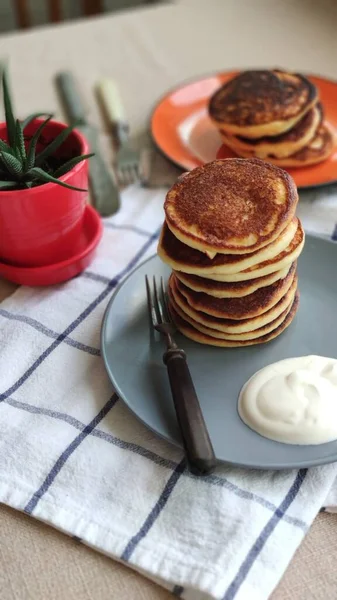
pixel 183 132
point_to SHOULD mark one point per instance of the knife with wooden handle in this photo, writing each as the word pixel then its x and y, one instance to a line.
pixel 103 187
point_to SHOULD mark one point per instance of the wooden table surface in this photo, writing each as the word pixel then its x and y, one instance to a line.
pixel 148 51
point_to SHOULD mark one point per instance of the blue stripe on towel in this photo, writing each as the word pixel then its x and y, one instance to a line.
pixel 155 512
pixel 132 228
pixel 334 235
pixel 67 454
pixel 263 537
pixel 111 285
pixel 95 277
pixel 48 332
pixel 158 460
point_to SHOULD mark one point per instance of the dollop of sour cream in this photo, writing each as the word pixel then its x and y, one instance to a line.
pixel 293 401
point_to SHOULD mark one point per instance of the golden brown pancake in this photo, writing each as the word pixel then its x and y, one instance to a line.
pixel 281 145
pixel 230 325
pixel 281 261
pixel 181 257
pixel 249 335
pixel 223 289
pixel 258 103
pixel 189 331
pixel 238 308
pixel 231 206
pixel 316 151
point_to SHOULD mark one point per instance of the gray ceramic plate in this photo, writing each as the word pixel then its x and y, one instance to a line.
pixel 134 363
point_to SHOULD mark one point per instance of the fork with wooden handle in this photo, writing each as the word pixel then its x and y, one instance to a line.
pixel 197 443
pixel 127 159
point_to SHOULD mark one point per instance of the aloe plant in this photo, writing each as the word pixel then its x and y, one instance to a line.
pixel 20 165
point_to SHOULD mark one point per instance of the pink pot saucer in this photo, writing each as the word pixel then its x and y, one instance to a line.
pixel 56 273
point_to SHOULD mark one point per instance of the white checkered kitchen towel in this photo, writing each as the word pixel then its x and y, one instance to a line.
pixel 72 455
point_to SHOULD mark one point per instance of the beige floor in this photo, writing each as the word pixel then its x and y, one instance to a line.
pixel 76 572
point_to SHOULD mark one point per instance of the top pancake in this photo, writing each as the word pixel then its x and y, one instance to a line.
pixel 231 206
pixel 258 103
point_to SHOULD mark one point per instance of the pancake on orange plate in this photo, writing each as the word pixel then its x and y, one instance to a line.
pixel 258 103
pixel 273 115
pixel 278 146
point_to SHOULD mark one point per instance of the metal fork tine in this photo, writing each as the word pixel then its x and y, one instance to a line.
pixel 157 302
pixel 150 303
pixel 129 175
pixel 123 177
pixel 167 315
pixel 120 178
pixel 135 170
pixel 133 174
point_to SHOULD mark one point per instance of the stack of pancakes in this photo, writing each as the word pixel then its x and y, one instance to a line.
pixel 232 239
pixel 273 115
